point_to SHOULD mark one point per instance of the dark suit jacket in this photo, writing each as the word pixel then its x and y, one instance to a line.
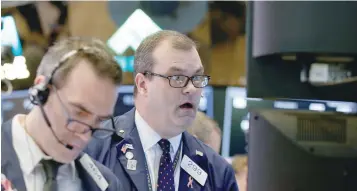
pixel 220 174
pixel 10 166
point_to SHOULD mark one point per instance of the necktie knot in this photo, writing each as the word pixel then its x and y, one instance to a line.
pixel 165 145
pixel 51 169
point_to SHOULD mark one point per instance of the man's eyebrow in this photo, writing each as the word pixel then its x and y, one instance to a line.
pixel 81 107
pixel 177 69
pixel 200 70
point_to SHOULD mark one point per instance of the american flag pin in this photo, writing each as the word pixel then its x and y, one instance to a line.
pixel 129 146
pixel 199 153
pixel 123 149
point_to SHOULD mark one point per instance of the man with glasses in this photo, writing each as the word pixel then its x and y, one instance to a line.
pixel 157 153
pixel 74 91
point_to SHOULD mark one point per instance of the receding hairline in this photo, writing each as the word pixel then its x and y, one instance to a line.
pixel 144 59
pixel 178 42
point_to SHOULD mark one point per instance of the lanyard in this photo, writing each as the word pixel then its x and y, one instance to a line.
pixel 176 159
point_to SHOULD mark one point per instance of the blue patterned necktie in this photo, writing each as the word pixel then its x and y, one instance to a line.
pixel 166 171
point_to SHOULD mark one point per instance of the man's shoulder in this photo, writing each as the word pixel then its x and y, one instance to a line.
pixel 106 173
pixel 216 166
pixel 214 159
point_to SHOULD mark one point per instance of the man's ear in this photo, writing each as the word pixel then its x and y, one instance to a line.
pixel 39 79
pixel 140 82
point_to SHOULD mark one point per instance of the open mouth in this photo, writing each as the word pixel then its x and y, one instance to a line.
pixel 186 105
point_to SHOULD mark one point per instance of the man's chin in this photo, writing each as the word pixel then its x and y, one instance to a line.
pixel 185 122
pixel 67 158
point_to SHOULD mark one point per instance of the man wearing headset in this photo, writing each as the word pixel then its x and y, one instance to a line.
pixel 157 152
pixel 74 90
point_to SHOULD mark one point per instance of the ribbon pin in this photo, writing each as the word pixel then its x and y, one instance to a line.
pixel 123 149
pixel 190 182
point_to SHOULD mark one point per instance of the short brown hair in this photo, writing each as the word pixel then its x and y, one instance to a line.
pixel 144 60
pixel 240 163
pixel 96 52
pixel 203 126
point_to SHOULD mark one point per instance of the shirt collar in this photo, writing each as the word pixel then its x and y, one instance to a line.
pixel 28 152
pixel 149 137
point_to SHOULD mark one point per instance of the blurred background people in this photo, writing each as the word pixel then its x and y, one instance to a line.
pixel 240 166
pixel 207 130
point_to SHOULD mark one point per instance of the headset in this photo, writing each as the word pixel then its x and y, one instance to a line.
pixel 39 93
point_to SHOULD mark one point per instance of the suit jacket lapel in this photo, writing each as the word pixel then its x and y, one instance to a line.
pixel 189 149
pixel 10 165
pixel 139 176
pixel 87 181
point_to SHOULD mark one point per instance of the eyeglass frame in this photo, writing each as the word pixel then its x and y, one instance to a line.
pixel 170 76
pixel 90 127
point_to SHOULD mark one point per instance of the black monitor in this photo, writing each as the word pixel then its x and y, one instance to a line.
pixel 125 100
pixel 302 50
pixel 236 115
pixel 302 151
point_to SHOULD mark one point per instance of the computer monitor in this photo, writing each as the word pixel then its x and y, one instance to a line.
pixel 10 37
pixel 291 150
pixel 236 115
pixel 302 50
pixel 125 100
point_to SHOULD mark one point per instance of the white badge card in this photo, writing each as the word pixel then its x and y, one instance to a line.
pixel 194 170
pixel 94 172
pixel 131 165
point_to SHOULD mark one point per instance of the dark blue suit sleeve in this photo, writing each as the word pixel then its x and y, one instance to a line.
pixel 230 180
pixel 99 148
pixel 113 181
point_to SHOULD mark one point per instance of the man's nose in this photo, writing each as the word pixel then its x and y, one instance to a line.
pixel 189 88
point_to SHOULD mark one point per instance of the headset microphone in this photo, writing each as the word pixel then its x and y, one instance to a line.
pixel 35 99
pixel 40 92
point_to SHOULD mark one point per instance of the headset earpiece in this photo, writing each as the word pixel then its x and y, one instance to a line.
pixel 39 93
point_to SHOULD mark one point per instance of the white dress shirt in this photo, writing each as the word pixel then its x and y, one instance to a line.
pixel 153 152
pixel 30 156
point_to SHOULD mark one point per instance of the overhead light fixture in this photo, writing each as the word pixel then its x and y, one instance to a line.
pixel 137 27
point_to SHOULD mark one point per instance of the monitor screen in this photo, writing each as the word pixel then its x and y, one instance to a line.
pixel 302 151
pixel 10 36
pixel 310 54
pixel 236 115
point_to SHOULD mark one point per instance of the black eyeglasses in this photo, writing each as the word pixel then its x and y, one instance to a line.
pixel 180 81
pixel 83 128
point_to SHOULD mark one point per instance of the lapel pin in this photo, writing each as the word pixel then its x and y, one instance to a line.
pixel 190 182
pixel 129 155
pixel 123 149
pixel 129 146
pixel 131 165
pixel 199 153
pixel 121 131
